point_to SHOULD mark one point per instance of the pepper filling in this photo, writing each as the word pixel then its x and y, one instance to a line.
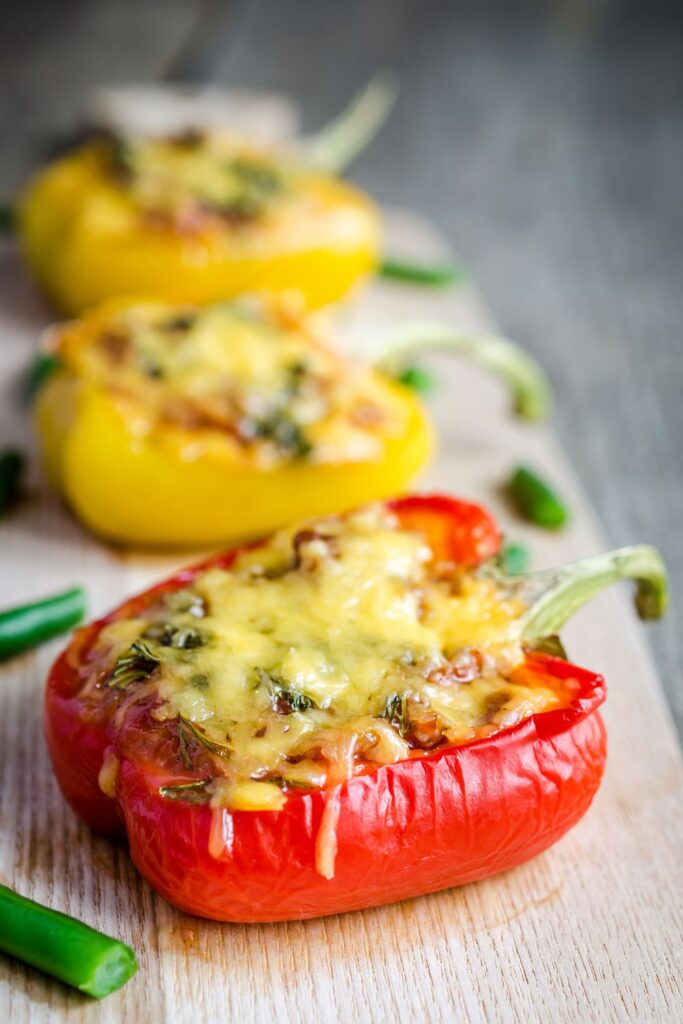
pixel 242 378
pixel 323 653
pixel 192 180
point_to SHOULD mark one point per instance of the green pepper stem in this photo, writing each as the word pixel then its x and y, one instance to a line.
pixel 557 594
pixel 336 145
pixel 527 381
pixel 62 946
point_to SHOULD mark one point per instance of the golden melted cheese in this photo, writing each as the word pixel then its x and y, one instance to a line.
pixel 191 179
pixel 243 376
pixel 334 646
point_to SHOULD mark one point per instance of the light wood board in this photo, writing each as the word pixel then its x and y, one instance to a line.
pixel 591 930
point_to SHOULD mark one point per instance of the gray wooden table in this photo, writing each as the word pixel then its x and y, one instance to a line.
pixel 546 139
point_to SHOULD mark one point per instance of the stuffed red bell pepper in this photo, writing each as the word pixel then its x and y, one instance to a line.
pixel 356 710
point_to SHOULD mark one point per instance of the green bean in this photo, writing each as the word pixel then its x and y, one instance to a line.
pixel 514 559
pixel 535 500
pixel 30 624
pixel 62 946
pixel 417 378
pixel 437 275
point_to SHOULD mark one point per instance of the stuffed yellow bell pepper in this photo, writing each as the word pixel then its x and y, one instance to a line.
pixel 192 218
pixel 178 425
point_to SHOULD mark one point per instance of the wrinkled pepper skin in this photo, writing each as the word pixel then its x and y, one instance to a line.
pixel 455 815
pixel 84 242
pixel 140 491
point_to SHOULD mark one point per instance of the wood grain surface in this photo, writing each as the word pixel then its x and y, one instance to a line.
pixel 591 930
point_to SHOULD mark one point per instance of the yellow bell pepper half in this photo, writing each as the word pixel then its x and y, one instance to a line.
pixel 167 426
pixel 193 219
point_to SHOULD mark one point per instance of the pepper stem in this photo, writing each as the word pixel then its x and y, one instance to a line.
pixel 527 381
pixel 335 146
pixel 557 594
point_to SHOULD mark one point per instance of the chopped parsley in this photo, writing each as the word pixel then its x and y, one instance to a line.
pixel 286 434
pixel 283 700
pixel 167 635
pixel 396 713
pixel 138 664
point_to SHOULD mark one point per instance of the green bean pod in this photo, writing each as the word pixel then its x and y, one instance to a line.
pixel 514 558
pixel 417 378
pixel 30 624
pixel 63 947
pixel 535 500
pixel 437 275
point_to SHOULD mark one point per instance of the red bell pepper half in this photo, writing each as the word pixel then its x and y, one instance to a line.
pixel 454 815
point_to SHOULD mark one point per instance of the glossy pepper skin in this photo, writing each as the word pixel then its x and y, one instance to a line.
pixel 85 242
pixel 143 490
pixel 455 815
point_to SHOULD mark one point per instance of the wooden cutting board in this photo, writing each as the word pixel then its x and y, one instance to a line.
pixel 591 930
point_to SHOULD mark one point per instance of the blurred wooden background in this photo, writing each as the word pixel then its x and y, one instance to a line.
pixel 545 137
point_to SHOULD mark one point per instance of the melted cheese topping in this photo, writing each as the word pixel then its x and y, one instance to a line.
pixel 202 183
pixel 192 180
pixel 333 647
pixel 243 376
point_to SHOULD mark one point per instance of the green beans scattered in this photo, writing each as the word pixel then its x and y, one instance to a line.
pixel 514 559
pixel 535 500
pixel 12 465
pixel 30 624
pixel 62 946
pixel 417 378
pixel 434 275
